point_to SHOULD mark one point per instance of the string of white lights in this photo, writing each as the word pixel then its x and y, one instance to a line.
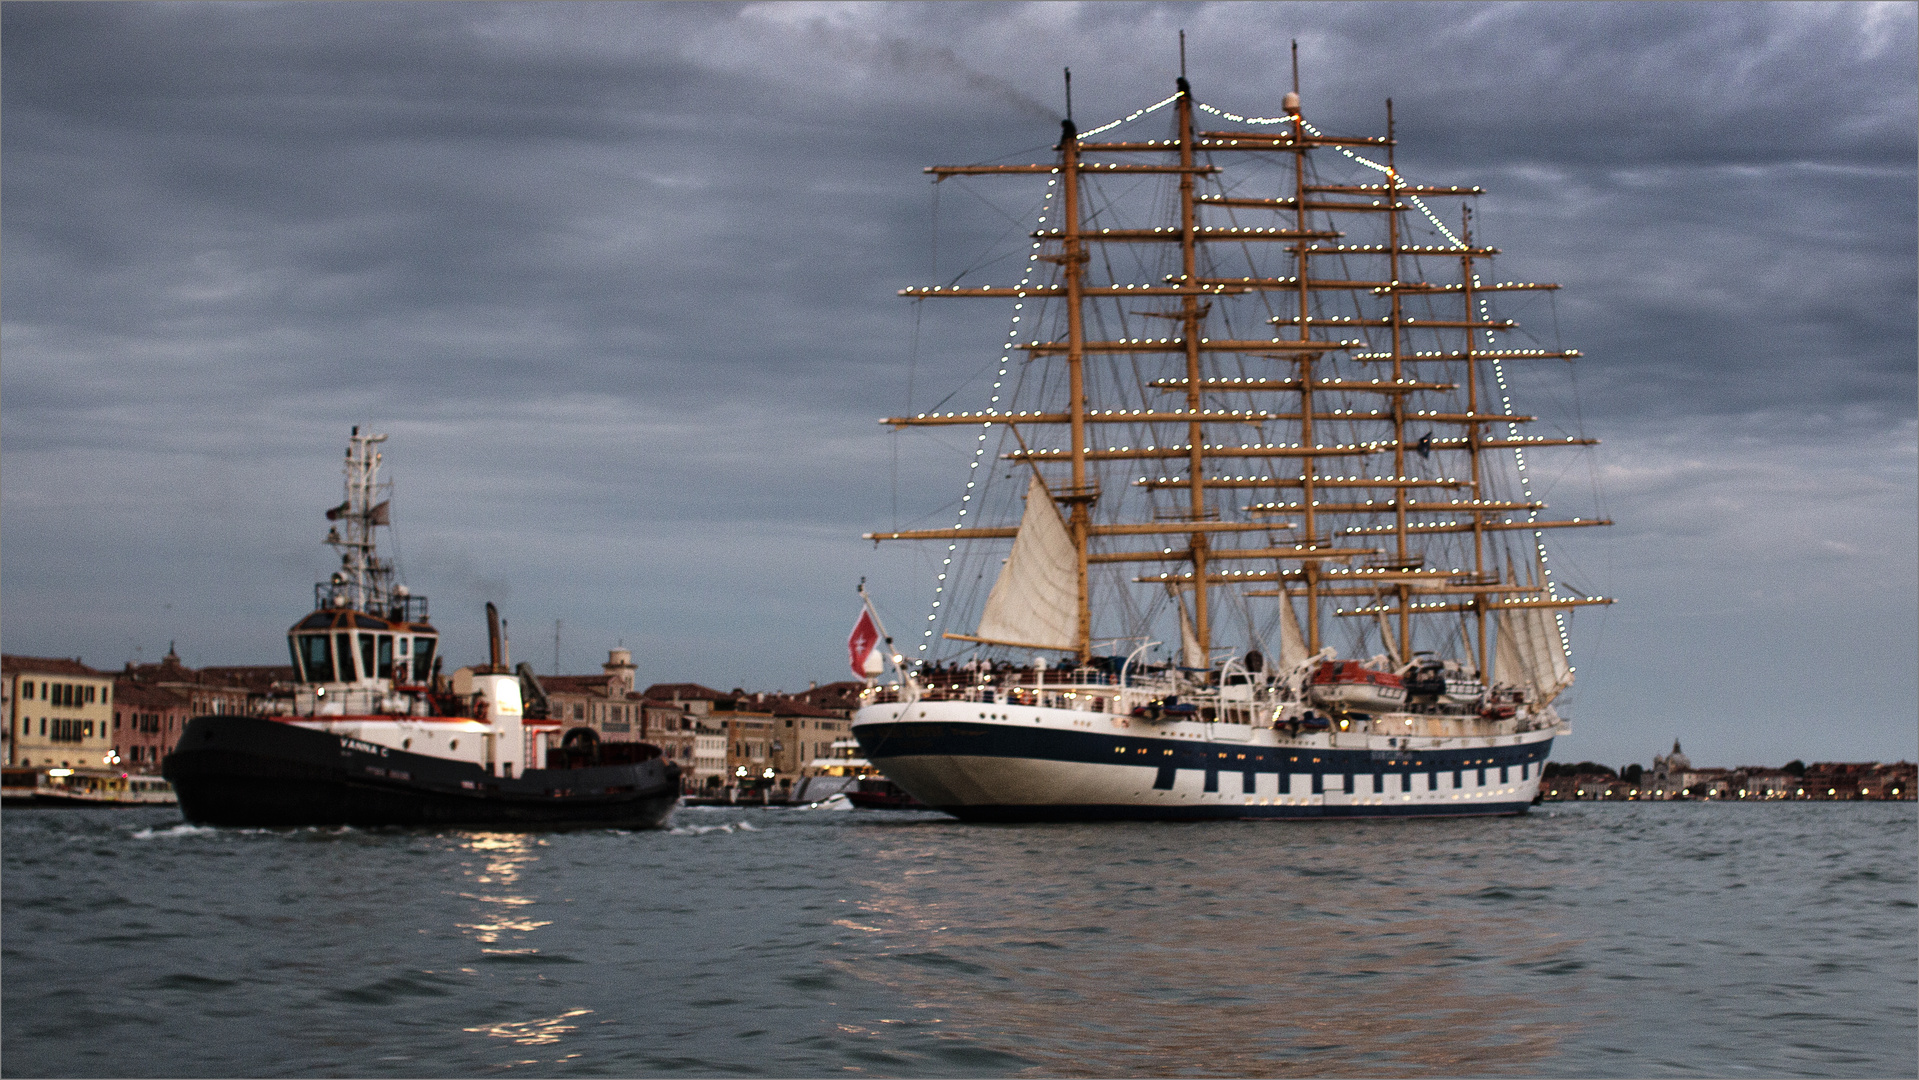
pixel 979 445
pixel 1369 163
pixel 1084 135
pixel 1525 481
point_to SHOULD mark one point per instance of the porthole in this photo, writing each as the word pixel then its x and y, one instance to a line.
pixel 454 745
pixel 406 744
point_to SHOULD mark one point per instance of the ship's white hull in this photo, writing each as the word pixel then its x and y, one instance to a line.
pixel 1013 762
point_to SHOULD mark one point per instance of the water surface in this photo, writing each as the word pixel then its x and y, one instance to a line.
pixel 1579 940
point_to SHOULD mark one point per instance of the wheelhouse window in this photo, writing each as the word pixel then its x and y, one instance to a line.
pixel 316 658
pixel 343 645
pixel 384 664
pixel 422 659
pixel 367 664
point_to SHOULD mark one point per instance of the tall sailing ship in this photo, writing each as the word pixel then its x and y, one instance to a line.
pixel 1258 387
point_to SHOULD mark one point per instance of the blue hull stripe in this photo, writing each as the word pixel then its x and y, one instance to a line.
pixel 916 738
pixel 1049 812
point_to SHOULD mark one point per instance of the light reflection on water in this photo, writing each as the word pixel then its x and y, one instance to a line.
pixel 1602 940
pixel 503 855
pixel 1270 967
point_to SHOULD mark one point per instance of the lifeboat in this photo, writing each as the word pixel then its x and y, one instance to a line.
pixel 1502 703
pixel 1351 687
pixel 1445 683
pixel 1166 708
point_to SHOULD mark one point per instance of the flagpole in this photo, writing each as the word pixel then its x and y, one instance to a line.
pixel 910 686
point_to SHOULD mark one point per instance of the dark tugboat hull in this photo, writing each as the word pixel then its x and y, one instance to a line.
pixel 248 771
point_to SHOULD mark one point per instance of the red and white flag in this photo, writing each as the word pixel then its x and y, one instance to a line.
pixel 864 646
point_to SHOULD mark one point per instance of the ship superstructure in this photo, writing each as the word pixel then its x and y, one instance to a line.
pixel 1257 386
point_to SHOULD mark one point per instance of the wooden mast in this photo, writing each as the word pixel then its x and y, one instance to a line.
pixel 1191 312
pixel 1468 287
pixel 1081 495
pixel 1405 651
pixel 1303 274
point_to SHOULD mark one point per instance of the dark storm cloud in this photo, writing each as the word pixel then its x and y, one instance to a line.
pixel 619 279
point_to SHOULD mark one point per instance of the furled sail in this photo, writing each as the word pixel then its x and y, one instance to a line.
pixel 1035 602
pixel 1192 654
pixel 1531 654
pixel 1292 643
pixel 1387 639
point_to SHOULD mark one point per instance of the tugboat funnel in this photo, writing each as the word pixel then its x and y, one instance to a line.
pixel 495 658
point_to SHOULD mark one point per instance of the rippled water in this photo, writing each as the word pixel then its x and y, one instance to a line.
pixel 1621 940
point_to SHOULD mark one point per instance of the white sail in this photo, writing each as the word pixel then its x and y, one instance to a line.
pixel 1035 602
pixel 1551 666
pixel 1292 643
pixel 1531 654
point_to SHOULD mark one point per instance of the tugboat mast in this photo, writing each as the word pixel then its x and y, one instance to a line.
pixel 364 580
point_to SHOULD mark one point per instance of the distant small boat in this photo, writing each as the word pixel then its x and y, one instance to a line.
pixel 83 787
pixel 882 794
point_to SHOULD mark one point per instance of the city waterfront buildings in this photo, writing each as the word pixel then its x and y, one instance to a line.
pixel 147 721
pixel 59 713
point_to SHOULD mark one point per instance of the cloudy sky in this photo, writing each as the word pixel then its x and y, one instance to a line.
pixel 618 280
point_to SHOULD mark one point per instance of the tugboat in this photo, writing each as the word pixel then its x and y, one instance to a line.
pixel 371 733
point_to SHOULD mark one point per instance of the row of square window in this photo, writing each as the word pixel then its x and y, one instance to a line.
pixel 69 695
pixel 1523 768
pixel 1248 780
pixel 64 730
